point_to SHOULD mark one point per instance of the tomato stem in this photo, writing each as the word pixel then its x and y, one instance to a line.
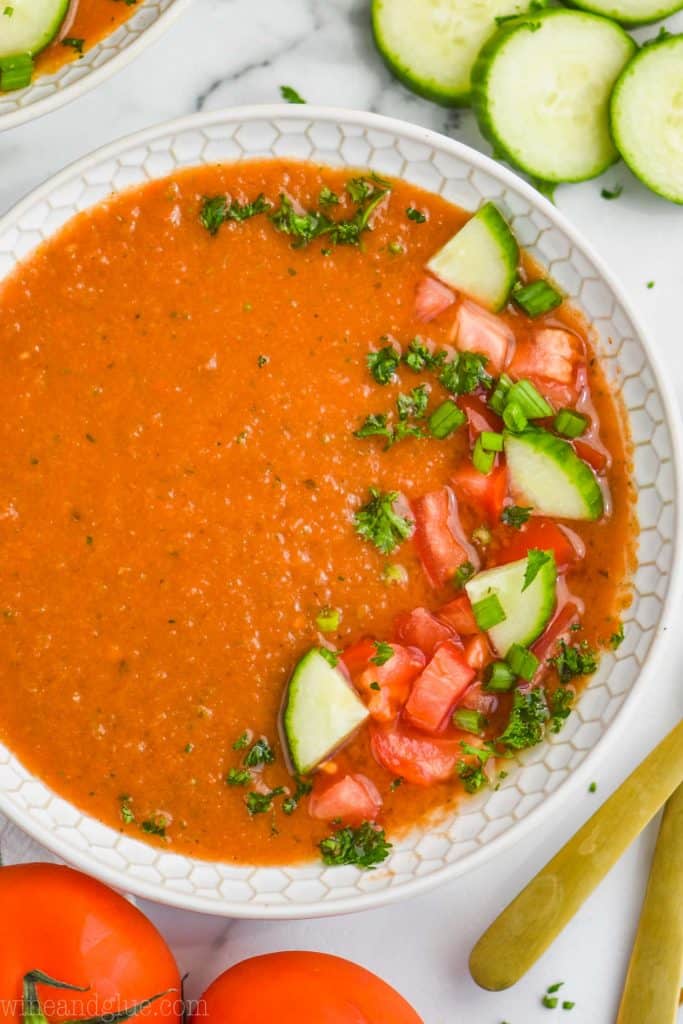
pixel 33 1013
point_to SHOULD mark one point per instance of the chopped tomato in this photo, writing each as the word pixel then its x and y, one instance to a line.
pixel 479 416
pixel 477 330
pixel 386 687
pixel 357 657
pixel 419 628
pixel 486 492
pixel 477 652
pixel 353 799
pixel 437 690
pixel 477 699
pixel 458 614
pixel 595 456
pixel 413 756
pixel 559 629
pixel 431 299
pixel 550 359
pixel 543 534
pixel 439 547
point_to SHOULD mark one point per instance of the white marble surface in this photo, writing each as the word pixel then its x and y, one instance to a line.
pixel 228 52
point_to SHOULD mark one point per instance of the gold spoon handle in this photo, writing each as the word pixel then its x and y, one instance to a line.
pixel 525 929
pixel 653 981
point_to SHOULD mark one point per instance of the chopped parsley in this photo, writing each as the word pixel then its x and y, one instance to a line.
pixel 384 653
pixel 327 197
pixel 290 95
pixel 396 784
pixel 416 215
pixel 535 561
pixel 238 777
pixel 617 638
pixel 527 720
pixel 414 403
pixel 260 803
pixel 574 660
pixel 261 753
pixel 471 773
pixel 382 364
pixel 515 515
pixel 127 814
pixel 242 742
pixel 303 788
pixel 593 788
pixel 378 521
pixel 419 358
pixel 376 425
pixel 365 847
pixel 462 574
pixel 560 708
pixel 216 210
pixel 374 685
pixel 305 226
pixel 466 373
pixel 155 826
pixel 76 44
pixel 612 193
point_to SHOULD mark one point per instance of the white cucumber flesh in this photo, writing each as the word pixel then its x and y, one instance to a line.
pixel 527 611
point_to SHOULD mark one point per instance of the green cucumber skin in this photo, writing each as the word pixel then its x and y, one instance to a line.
pixel 559 451
pixel 625 20
pixel 501 230
pixel 629 70
pixel 48 35
pixel 480 73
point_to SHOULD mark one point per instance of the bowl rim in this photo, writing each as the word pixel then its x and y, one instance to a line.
pixel 524 826
pixel 60 97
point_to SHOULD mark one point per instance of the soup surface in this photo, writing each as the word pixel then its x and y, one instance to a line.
pixel 87 23
pixel 181 383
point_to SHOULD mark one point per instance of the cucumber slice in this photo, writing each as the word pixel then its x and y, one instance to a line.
pixel 321 711
pixel 540 91
pixel 629 12
pixel 527 612
pixel 431 45
pixel 481 259
pixel 546 473
pixel 647 117
pixel 31 25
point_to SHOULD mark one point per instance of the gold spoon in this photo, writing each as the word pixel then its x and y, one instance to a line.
pixel 653 982
pixel 528 925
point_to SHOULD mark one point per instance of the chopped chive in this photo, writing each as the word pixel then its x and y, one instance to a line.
pixel 536 298
pixel 570 423
pixel 499 677
pixel 489 612
pixel 16 72
pixel 514 418
pixel 550 1002
pixel 481 459
pixel 490 441
pixel 522 661
pixel 499 397
pixel 462 574
pixel 593 788
pixel 447 418
pixel 327 620
pixel 568 1005
pixel 530 401
pixel 469 721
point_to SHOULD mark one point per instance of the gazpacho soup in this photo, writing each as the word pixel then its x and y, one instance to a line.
pixel 316 510
pixel 39 36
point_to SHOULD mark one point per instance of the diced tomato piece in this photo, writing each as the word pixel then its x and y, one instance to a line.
pixel 477 330
pixel 477 652
pixel 559 629
pixel 436 691
pixel 596 457
pixel 357 657
pixel 477 699
pixel 419 628
pixel 487 493
pixel 458 614
pixel 550 359
pixel 543 534
pixel 479 416
pixel 413 756
pixel 440 548
pixel 432 298
pixel 386 687
pixel 353 799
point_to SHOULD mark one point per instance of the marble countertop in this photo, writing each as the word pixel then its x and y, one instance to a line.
pixel 229 52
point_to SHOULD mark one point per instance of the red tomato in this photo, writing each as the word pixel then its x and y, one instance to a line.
pixel 486 492
pixel 431 299
pixel 79 931
pixel 415 757
pixel 596 457
pixel 477 652
pixel 353 799
pixel 357 656
pixel 559 629
pixel 301 988
pixel 477 330
pixel 458 614
pixel 441 550
pixel 386 687
pixel 419 628
pixel 437 690
pixel 479 416
pixel 551 360
pixel 543 534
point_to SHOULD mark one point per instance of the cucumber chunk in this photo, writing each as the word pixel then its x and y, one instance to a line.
pixel 546 473
pixel 431 45
pixel 321 711
pixel 31 25
pixel 630 12
pixel 480 260
pixel 541 88
pixel 647 118
pixel 527 612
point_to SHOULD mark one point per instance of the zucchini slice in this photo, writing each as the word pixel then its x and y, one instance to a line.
pixel 480 260
pixel 527 612
pixel 630 12
pixel 431 45
pixel 647 122
pixel 546 473
pixel 541 88
pixel 320 712
pixel 31 25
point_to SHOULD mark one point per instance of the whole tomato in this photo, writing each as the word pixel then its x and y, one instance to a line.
pixel 77 931
pixel 301 988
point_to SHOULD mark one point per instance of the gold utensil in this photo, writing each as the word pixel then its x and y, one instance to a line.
pixel 528 925
pixel 653 982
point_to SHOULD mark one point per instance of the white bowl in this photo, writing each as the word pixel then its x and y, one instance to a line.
pixel 488 824
pixel 48 92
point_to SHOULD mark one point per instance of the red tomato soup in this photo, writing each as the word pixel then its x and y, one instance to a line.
pixel 242 423
pixel 86 24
